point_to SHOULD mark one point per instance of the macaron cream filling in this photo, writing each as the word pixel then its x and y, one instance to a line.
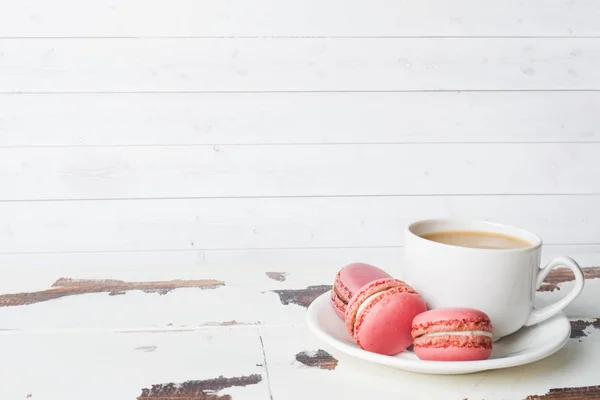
pixel 421 328
pixel 452 334
pixel 368 301
pixel 458 333
pixel 363 306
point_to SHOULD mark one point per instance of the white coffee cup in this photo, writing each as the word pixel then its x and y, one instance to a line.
pixel 500 282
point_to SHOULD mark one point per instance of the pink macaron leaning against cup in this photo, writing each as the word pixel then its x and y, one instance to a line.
pixel 348 280
pixel 452 334
pixel 379 316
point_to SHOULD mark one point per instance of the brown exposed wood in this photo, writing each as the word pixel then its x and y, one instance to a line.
pixel 146 349
pixel 301 297
pixel 229 323
pixel 578 393
pixel 156 330
pixel 560 275
pixel 320 359
pixel 578 327
pixel 72 287
pixel 197 390
pixel 233 322
pixel 277 276
pixel 304 297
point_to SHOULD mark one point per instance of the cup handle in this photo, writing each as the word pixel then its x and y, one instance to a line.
pixel 541 314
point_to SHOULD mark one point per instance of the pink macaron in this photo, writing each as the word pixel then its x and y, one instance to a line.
pixel 379 316
pixel 452 334
pixel 348 280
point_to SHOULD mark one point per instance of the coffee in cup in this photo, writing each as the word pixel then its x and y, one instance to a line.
pixel 477 239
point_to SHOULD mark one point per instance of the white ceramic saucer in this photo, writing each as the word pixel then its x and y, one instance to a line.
pixel 525 346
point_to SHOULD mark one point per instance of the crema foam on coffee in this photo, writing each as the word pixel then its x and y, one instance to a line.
pixel 477 239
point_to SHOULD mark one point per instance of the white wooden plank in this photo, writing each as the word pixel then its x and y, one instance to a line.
pixel 118 366
pixel 181 309
pixel 275 223
pixel 287 170
pixel 292 18
pixel 246 297
pixel 301 267
pixel 573 366
pixel 33 272
pixel 107 65
pixel 270 118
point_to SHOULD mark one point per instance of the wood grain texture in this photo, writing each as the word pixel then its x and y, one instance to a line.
pixel 207 389
pixel 249 298
pixel 560 275
pixel 302 267
pixel 280 170
pixel 319 359
pixel 166 65
pixel 110 364
pixel 37 18
pixel 298 118
pixel 353 379
pixel 302 297
pixel 237 352
pixel 579 327
pixel 276 276
pixel 576 393
pixel 198 225
pixel 75 287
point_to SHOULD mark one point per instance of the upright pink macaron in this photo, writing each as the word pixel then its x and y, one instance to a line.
pixel 452 334
pixel 348 280
pixel 380 315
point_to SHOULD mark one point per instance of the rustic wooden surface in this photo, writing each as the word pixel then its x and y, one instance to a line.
pixel 236 334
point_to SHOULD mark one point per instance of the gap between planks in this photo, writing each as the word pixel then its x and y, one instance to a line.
pixel 299 196
pixel 167 329
pixel 257 249
pixel 274 144
pixel 292 37
pixel 266 365
pixel 110 92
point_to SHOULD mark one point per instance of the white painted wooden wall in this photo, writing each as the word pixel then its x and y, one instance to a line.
pixel 148 140
pixel 203 125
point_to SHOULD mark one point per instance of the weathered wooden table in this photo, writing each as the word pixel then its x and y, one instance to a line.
pixel 210 330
